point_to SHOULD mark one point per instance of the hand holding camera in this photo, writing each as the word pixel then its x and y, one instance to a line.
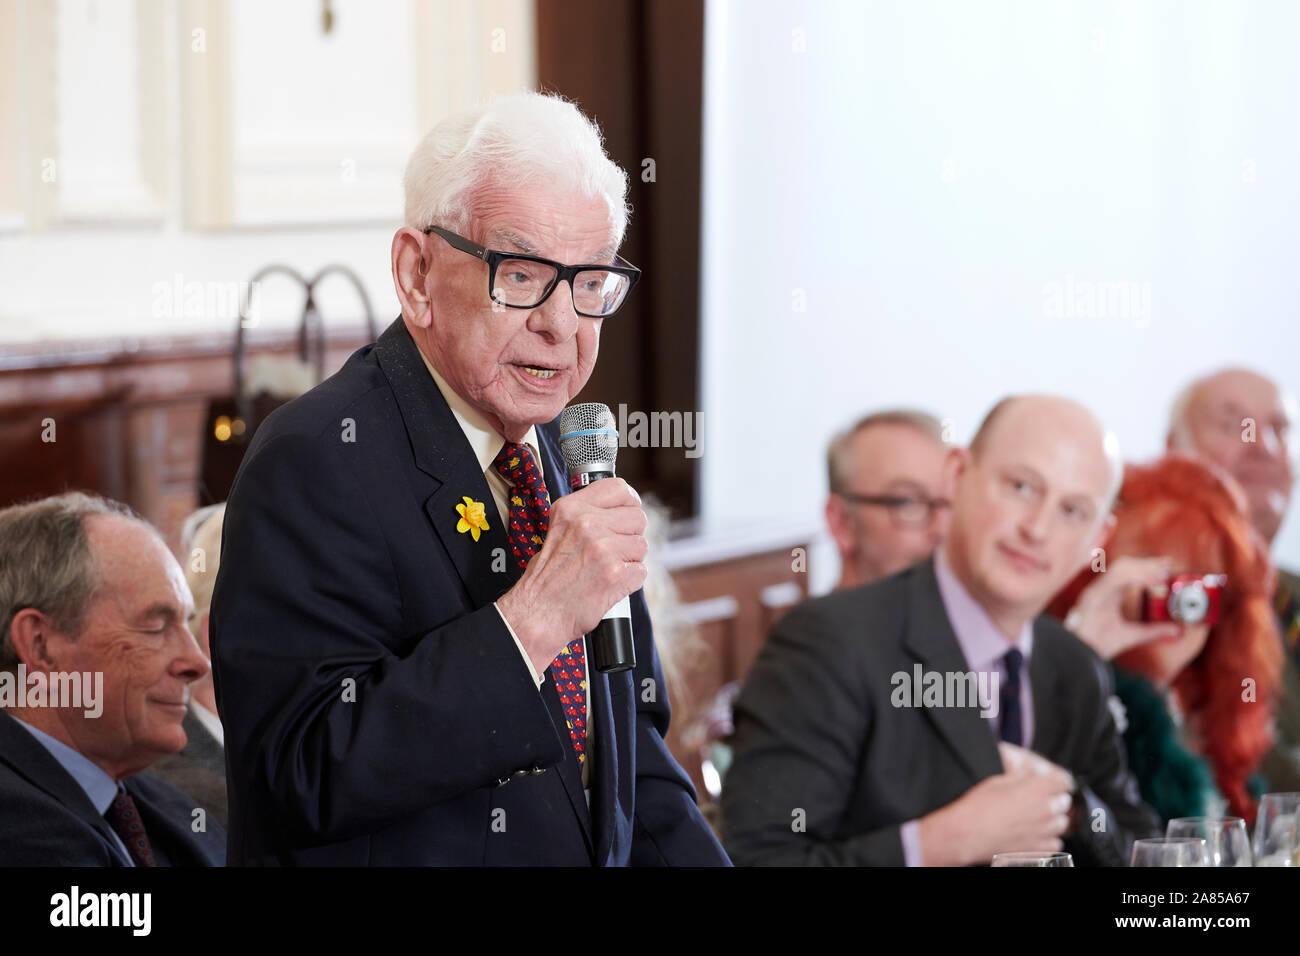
pixel 1141 599
pixel 1185 598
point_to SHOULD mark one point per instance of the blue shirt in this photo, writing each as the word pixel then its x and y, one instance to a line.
pixel 98 786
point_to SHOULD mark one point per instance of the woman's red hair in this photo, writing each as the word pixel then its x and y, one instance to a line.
pixel 1181 509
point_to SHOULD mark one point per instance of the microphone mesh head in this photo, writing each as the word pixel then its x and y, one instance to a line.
pixel 588 438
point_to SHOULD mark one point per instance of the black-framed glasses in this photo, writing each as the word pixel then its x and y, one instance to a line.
pixel 903 509
pixel 518 281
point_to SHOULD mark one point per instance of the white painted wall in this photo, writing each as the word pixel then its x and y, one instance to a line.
pixel 319 128
pixel 933 178
pixel 87 283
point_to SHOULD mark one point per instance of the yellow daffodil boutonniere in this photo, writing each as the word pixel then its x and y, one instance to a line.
pixel 472 518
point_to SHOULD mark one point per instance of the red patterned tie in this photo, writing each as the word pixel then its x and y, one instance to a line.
pixel 530 515
pixel 124 818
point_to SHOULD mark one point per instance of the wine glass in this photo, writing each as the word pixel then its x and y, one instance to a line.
pixel 1225 837
pixel 1170 851
pixel 1032 859
pixel 1275 830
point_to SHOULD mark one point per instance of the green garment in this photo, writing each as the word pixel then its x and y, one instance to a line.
pixel 1173 781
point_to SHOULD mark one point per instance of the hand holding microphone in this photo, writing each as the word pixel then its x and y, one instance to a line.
pixel 592 558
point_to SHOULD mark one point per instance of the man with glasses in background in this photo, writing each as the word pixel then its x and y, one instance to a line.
pixel 886 509
pixel 406 580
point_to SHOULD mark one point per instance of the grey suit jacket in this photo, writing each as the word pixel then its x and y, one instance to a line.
pixel 199 770
pixel 827 769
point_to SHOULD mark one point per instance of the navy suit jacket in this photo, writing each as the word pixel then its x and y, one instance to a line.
pixel 371 695
pixel 46 819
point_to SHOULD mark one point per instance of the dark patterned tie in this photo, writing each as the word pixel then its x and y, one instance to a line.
pixel 530 515
pixel 124 818
pixel 1009 700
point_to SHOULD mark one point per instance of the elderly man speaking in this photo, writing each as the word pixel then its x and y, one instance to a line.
pixel 405 583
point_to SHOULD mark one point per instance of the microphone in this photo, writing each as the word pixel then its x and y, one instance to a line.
pixel 589 443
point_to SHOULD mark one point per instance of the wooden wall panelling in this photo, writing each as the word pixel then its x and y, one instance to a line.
pixel 734 601
pixel 129 416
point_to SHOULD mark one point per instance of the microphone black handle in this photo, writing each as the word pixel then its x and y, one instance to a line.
pixel 610 645
pixel 612 649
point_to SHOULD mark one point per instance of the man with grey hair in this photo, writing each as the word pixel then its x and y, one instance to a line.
pixel 886 509
pixel 1242 422
pixel 95 668
pixel 406 577
pixel 200 769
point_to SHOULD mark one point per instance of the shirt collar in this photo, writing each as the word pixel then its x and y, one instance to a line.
pixel 485 440
pixel 98 785
pixel 982 643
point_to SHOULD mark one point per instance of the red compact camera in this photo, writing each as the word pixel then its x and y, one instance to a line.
pixel 1187 599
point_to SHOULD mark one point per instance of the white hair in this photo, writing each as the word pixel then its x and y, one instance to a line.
pixel 522 138
pixel 202 530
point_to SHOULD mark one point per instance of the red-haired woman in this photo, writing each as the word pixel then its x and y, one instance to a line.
pixel 1198 698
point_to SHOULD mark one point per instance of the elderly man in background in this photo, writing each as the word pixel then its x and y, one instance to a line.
pixel 886 509
pixel 845 755
pixel 90 594
pixel 200 769
pixel 1241 421
pixel 406 580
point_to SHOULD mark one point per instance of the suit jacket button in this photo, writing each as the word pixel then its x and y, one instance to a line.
pixel 537 771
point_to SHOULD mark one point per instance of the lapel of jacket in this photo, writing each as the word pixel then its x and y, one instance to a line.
pixel 168 827
pixel 931 640
pixel 1051 695
pixel 442 452
pixel 30 760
